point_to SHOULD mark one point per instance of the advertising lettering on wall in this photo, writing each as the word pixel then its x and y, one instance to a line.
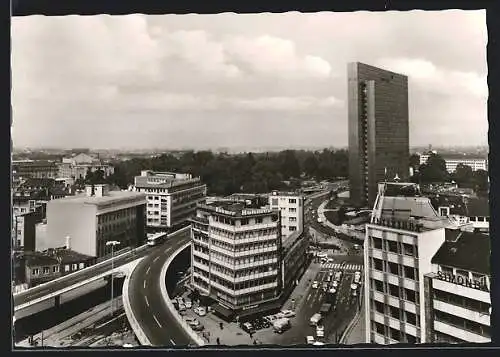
pixel 479 284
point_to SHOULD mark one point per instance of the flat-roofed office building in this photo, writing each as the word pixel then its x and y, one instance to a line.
pixel 378 130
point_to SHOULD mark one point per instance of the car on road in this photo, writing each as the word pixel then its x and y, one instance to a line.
pixel 325 286
pixel 315 284
pixel 315 319
pixel 182 307
pixel 288 313
pixel 328 278
pixel 310 340
pixel 335 284
pixel 320 331
pixel 247 327
pixel 200 311
pixel 329 260
pixel 357 277
pixel 180 300
pixel 188 304
pixel 271 318
pixel 354 289
pixel 281 325
pixel 318 343
pixel 198 327
pixel 338 275
pixel 356 246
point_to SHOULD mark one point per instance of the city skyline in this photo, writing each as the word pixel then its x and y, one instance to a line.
pixel 287 77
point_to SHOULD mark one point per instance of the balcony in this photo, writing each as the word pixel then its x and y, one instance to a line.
pixel 233 241
pixel 460 333
pixel 258 288
pixel 461 290
pixel 256 251
pixel 462 312
pixel 256 276
pixel 197 253
pixel 249 227
pixel 255 263
pixel 201 266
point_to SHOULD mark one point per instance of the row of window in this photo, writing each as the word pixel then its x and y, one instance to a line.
pixel 55 269
pixel 255 233
pixel 396 313
pixel 242 247
pixel 462 301
pixel 243 260
pixel 394 268
pixel 243 221
pixel 394 334
pixel 123 213
pixel 394 247
pixel 462 323
pixel 479 219
pixel 244 272
pixel 395 291
pixel 462 273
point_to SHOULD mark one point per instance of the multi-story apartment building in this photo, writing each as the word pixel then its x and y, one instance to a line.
pixel 291 207
pixel 404 234
pixel 378 130
pixel 34 169
pixel 236 257
pixel 458 290
pixel 452 161
pixel 171 197
pixel 24 230
pixel 76 167
pixel 95 217
pixel 470 213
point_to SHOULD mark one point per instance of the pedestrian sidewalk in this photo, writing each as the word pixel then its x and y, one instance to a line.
pixel 296 298
pixel 357 333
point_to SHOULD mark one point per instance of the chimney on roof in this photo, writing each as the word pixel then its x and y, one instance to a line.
pixel 68 241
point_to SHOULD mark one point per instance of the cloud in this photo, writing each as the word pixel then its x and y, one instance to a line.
pixel 435 79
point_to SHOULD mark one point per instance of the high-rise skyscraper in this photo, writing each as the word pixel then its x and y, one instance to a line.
pixel 378 130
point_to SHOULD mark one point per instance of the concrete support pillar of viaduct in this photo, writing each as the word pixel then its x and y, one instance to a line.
pixel 57 299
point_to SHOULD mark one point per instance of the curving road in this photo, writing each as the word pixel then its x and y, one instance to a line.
pixel 146 300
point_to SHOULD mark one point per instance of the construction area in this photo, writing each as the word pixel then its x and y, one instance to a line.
pixel 96 327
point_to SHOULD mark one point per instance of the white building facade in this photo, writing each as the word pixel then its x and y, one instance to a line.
pixel 476 163
pixel 404 233
pixel 291 207
pixel 171 197
pixel 98 216
pixel 76 167
pixel 236 255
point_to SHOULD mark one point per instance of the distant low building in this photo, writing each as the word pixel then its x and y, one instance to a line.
pixel 77 166
pixel 34 169
pixel 453 160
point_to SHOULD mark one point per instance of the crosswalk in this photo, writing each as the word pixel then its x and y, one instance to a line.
pixel 339 266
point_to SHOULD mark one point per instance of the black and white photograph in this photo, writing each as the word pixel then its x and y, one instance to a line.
pixel 249 180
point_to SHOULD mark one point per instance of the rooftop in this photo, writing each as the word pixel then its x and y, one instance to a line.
pixel 477 207
pixel 465 250
pixel 283 193
pixel 111 197
pixel 232 207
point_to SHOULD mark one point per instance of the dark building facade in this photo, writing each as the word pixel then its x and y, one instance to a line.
pixel 378 130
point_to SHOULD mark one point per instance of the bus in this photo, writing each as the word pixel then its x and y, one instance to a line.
pixel 156 238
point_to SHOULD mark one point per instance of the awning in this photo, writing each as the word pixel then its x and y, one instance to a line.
pixel 224 312
pixel 272 306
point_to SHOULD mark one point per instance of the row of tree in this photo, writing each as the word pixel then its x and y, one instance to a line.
pixel 225 174
pixel 434 170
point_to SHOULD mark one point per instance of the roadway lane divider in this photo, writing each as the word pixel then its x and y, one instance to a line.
pixel 139 333
pixel 354 321
pixel 168 302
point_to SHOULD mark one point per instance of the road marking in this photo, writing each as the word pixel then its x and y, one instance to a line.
pixel 147 302
pixel 144 284
pixel 158 322
pixel 172 341
pixel 155 259
pixel 167 250
pixel 308 297
pixel 147 271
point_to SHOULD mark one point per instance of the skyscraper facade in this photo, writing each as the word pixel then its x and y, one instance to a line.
pixel 378 130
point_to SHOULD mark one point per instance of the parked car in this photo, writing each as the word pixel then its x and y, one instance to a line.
pixel 318 343
pixel 281 325
pixel 315 319
pixel 188 303
pixel 329 260
pixel 247 327
pixel 335 283
pixel 338 275
pixel 271 318
pixel 182 307
pixel 198 327
pixel 288 313
pixel 315 284
pixel 310 340
pixel 320 331
pixel 200 310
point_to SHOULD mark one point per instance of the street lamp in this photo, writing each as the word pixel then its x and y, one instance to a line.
pixel 112 243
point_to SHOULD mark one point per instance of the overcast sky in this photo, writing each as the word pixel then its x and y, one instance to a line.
pixel 229 80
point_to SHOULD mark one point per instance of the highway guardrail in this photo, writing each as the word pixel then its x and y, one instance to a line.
pixel 139 333
pixel 196 338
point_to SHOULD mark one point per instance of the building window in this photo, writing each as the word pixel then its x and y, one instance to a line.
pixel 411 318
pixel 379 307
pixel 392 246
pixel 66 268
pixel 292 219
pixel 274 201
pixel 394 290
pixel 377 243
pixel 379 286
pixel 395 335
pixel 82 265
pixel 292 210
pixel 379 328
pixel 35 271
pixel 258 220
pixel 74 266
pixel 393 268
pixel 46 270
pixel 292 228
pixel 409 272
pixel 378 264
pixel 408 249
pixel 292 200
pixel 410 295
pixel 55 269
